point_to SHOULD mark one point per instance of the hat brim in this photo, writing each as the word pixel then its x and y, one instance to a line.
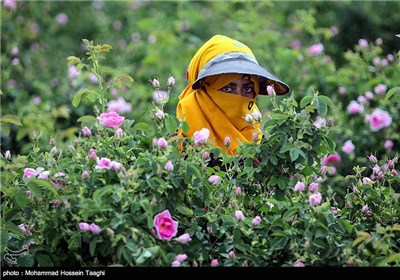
pixel 242 66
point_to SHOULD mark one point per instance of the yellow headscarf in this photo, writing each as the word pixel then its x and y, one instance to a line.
pixel 222 113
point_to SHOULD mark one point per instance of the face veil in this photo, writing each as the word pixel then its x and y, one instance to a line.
pixel 223 114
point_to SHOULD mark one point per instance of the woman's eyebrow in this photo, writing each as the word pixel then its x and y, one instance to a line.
pixel 249 83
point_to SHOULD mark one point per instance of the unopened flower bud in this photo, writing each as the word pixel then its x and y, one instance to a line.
pixel 171 81
pixel 238 191
pixel 7 154
pixel 227 141
pixel 86 131
pixel 155 83
pixel 160 114
pixel 85 175
pixel 271 91
pixel 231 255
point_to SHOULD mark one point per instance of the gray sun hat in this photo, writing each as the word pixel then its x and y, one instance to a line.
pixel 240 63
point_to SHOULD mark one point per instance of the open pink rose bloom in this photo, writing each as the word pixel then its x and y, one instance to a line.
pixel 165 226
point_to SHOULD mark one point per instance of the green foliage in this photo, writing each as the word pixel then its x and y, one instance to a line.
pixel 355 222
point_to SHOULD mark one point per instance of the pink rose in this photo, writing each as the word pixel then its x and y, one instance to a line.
pixel 331 160
pixel 214 180
pixel 29 172
pixel 316 49
pixel 166 227
pixel 84 226
pixel 110 119
pixel 315 199
pixel 201 136
pixel 95 229
pixel 299 187
pixel 379 119
pixel 256 221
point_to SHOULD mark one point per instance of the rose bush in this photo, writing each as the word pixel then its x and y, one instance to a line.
pixel 115 188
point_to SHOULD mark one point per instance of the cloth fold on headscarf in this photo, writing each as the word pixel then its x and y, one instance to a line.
pixel 222 113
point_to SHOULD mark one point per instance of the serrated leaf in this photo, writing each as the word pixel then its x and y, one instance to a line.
pixel 325 99
pixel 171 124
pixel 87 119
pixel 11 119
pixel 322 107
pixel 294 154
pixel 144 127
pixel 20 198
pixel 185 127
pixel 78 96
pixel 305 101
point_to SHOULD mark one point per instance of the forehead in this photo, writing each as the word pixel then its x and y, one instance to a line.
pixel 242 81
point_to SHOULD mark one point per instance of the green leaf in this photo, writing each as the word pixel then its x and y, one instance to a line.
pixel 92 247
pixel 393 258
pixel 362 236
pixel 144 127
pixel 80 66
pixel 184 210
pixel 20 198
pixel 44 260
pixel 322 107
pixel 325 99
pixel 279 243
pixel 228 221
pixel 87 119
pixel 391 92
pixel 294 154
pixel 99 193
pixel 305 101
pixel 11 119
pixel 396 227
pixel 126 80
pixel 72 60
pixel 290 213
pixel 273 159
pixel 78 96
pixel 147 254
pixel 46 184
pixel 105 48
pixel 172 124
pixel 36 190
pixel 185 127
pixel 3 241
pixel 287 147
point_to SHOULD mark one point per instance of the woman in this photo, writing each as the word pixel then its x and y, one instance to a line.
pixel 224 79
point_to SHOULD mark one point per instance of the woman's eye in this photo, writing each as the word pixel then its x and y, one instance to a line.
pixel 248 89
pixel 226 89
